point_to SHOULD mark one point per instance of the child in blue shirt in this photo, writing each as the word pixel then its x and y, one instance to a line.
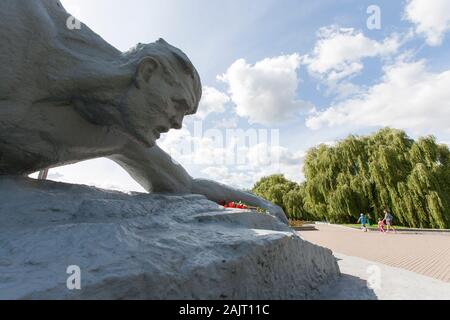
pixel 363 220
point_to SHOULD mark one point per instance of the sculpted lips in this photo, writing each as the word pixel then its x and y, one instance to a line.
pixel 160 129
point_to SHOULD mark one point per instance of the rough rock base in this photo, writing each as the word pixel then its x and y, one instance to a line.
pixel 147 246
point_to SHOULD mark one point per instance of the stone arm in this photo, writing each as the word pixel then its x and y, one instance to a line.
pixel 156 171
pixel 217 192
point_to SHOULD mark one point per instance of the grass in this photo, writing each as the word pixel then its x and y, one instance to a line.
pixel 375 226
pixel 296 223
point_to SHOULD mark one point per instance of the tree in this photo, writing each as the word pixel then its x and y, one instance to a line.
pixel 368 174
pixel 274 188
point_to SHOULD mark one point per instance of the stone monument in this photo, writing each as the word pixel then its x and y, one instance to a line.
pixel 66 96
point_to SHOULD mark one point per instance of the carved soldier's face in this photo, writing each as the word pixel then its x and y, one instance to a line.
pixel 158 101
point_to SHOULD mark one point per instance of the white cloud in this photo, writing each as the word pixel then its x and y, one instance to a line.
pixel 339 52
pixel 266 91
pixel 229 177
pixel 101 173
pixel 213 101
pixel 267 160
pixel 231 163
pixel 431 18
pixel 262 160
pixel 408 97
pixel 342 89
pixel 229 122
pixel 194 149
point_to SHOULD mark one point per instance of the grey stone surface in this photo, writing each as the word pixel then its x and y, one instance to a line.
pixel 66 95
pixel 148 246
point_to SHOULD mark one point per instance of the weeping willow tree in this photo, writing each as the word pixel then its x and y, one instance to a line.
pixel 274 188
pixel 368 174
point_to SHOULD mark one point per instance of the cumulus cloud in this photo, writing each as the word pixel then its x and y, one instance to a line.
pixel 408 96
pixel 266 91
pixel 262 160
pixel 431 19
pixel 339 52
pixel 267 160
pixel 229 177
pixel 213 101
pixel 230 161
pixel 230 122
pixel 189 148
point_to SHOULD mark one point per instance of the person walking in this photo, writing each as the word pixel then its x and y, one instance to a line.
pixel 381 225
pixel 363 221
pixel 368 220
pixel 388 218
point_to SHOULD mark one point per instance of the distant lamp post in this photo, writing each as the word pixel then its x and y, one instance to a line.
pixel 43 174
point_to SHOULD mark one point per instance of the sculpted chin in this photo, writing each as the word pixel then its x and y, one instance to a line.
pixel 68 96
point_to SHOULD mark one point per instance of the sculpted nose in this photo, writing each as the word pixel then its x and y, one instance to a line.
pixel 176 123
pixel 178 110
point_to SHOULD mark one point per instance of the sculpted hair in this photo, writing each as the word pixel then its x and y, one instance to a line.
pixel 169 58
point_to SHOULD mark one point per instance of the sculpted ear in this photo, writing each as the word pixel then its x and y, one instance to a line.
pixel 145 70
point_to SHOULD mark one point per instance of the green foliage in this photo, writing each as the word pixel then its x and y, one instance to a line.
pixel 368 174
pixel 274 188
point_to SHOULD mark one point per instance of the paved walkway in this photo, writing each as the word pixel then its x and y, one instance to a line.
pixel 367 280
pixel 426 254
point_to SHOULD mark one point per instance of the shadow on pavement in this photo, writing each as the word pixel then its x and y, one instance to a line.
pixel 305 228
pixel 346 287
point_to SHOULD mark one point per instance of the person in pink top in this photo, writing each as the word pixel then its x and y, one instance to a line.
pixel 381 225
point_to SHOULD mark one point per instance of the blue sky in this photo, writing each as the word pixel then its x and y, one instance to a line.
pixel 311 70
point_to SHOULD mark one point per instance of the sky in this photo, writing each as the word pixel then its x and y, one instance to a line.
pixel 282 76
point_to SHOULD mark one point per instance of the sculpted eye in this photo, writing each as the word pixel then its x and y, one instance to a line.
pixel 181 105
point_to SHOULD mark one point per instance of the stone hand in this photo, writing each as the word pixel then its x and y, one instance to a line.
pixel 273 210
pixel 217 192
